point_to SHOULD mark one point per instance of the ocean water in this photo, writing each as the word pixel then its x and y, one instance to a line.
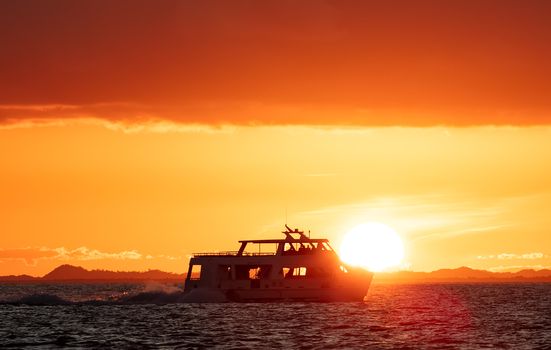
pixel 136 316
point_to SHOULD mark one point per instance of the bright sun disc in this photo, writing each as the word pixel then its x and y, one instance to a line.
pixel 373 246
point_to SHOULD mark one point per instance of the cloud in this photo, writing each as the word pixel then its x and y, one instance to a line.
pixel 127 120
pixel 223 116
pixel 515 268
pixel 31 255
pixel 169 257
pixel 84 253
pixel 512 256
pixel 214 62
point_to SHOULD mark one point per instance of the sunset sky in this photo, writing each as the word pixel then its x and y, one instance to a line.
pixel 134 133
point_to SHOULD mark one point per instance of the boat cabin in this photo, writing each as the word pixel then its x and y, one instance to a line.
pixel 296 256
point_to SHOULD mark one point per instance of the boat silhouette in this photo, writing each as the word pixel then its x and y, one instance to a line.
pixel 299 269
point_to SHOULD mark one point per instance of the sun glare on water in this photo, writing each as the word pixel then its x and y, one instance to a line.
pixel 373 246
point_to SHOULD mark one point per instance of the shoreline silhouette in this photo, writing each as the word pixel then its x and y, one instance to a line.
pixel 71 273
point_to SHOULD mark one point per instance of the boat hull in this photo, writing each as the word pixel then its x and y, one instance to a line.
pixel 353 288
pixel 303 295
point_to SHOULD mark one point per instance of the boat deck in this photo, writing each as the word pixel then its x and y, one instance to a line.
pixel 232 253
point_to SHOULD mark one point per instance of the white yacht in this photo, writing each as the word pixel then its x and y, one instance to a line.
pixel 299 268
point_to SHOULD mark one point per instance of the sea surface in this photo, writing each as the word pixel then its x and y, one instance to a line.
pixel 138 316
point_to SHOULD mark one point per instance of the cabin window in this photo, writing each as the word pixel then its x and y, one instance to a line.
pixel 295 272
pixel 195 273
pixel 252 272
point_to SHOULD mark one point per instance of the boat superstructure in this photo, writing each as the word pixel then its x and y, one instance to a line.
pixel 298 268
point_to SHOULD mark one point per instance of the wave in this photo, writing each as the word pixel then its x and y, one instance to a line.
pixel 37 300
pixel 158 295
pixel 158 298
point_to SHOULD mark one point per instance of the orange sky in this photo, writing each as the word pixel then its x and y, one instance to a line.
pixel 457 196
pixel 135 133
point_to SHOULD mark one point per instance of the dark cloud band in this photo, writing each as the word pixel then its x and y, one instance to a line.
pixel 396 62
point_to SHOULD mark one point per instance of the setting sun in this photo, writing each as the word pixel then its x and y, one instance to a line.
pixel 373 246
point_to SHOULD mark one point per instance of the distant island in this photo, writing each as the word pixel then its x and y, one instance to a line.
pixel 70 273
pixel 463 274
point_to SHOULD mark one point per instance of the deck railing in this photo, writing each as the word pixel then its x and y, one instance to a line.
pixel 233 253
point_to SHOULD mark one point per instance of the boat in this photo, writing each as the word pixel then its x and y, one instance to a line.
pixel 299 268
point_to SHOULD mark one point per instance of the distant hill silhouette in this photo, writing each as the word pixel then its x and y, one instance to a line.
pixel 65 273
pixel 77 273
pixel 464 274
pixel 19 278
pixel 68 272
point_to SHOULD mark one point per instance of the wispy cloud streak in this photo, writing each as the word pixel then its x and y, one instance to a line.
pixel 512 256
pixel 31 255
pixel 424 216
